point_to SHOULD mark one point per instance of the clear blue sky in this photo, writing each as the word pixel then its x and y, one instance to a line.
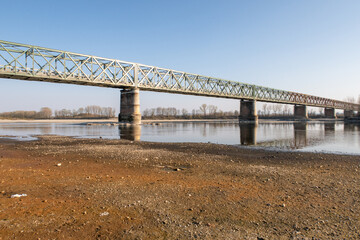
pixel 305 46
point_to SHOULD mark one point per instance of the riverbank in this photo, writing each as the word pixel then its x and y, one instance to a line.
pixel 119 189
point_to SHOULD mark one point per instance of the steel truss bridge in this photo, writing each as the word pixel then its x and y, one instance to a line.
pixel 26 62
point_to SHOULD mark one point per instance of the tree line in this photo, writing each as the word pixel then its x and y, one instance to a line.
pixel 204 111
pixel 266 110
pixel 212 112
pixel 44 113
pixel 95 112
pixel 352 99
pixel 87 112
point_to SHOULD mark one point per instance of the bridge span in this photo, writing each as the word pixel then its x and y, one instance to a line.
pixel 33 63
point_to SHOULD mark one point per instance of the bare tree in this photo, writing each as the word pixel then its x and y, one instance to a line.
pixel 286 110
pixel 184 112
pixel 321 111
pixel 152 112
pixel 350 99
pixel 203 109
pixel 212 110
pixel 265 108
pixel 146 113
pixel 45 112
pixel 159 111
pixel 277 108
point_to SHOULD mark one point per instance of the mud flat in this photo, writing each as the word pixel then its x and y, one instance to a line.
pixel 64 188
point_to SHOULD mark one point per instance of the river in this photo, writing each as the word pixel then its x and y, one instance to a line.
pixel 332 137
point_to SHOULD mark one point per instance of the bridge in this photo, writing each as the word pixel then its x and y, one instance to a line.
pixel 33 63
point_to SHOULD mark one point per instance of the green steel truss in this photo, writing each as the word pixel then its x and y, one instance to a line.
pixel 26 62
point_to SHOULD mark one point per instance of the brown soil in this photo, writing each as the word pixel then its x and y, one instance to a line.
pixel 118 189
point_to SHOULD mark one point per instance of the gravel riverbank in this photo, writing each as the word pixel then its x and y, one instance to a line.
pixel 119 189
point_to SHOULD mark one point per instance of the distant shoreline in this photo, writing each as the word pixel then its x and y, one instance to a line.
pixel 149 121
pixel 111 120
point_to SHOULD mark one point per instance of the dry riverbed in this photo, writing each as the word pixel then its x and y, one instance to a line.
pixel 118 189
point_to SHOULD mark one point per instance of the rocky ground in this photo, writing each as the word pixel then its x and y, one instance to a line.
pixel 118 189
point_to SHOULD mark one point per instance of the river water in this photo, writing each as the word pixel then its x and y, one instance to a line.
pixel 333 137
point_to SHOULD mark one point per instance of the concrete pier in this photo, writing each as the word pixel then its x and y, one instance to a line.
pixel 300 112
pixel 348 114
pixel 330 113
pixel 248 110
pixel 130 106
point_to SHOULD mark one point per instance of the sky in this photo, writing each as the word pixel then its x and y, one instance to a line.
pixel 305 46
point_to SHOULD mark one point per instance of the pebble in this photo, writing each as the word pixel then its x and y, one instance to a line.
pixel 104 214
pixel 18 195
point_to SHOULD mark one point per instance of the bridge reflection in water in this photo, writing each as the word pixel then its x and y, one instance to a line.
pixel 332 136
pixel 131 133
pixel 248 133
pixel 327 136
pixel 299 139
pixel 300 135
pixel 329 129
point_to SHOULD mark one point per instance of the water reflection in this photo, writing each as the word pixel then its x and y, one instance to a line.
pixel 248 134
pixel 273 135
pixel 307 136
pixel 132 133
pixel 329 128
pixel 350 127
pixel 45 130
pixel 300 135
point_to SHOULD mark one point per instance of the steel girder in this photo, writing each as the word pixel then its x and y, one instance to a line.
pixel 26 62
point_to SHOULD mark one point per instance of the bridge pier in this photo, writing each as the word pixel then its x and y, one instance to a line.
pixel 348 114
pixel 248 110
pixel 330 113
pixel 300 112
pixel 130 106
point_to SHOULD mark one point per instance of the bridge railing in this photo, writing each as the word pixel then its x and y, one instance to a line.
pixel 20 61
